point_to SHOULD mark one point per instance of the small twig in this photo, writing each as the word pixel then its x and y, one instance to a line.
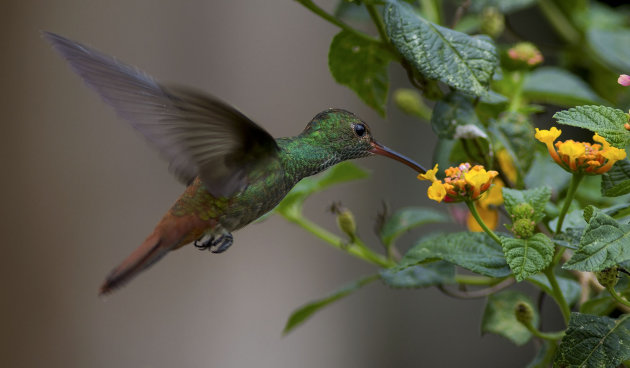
pixel 459 13
pixel 476 294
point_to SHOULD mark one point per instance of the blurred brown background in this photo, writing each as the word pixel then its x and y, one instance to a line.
pixel 81 189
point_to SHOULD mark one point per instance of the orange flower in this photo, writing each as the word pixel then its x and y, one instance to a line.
pixel 582 157
pixel 461 183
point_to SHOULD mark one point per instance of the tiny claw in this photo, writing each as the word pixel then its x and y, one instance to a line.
pixel 223 242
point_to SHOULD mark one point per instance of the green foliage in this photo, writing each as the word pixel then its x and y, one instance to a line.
pixel 499 318
pixel 408 218
pixel 605 243
pixel 593 341
pixel 566 221
pixel 616 182
pixel 436 273
pixel 515 133
pixel 301 314
pixel 559 87
pixel 537 198
pixel 453 114
pixel 361 65
pixel 474 251
pixel 611 47
pixel 570 288
pixel 463 62
pixel 527 257
pixel 606 121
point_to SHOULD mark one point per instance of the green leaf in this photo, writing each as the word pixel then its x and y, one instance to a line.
pixel 537 198
pixel 570 288
pixel 606 121
pixel 545 172
pixel 516 134
pixel 545 355
pixel 611 46
pixel 361 65
pixel 463 62
pixel 436 273
pixel 408 218
pixel 301 314
pixel 593 341
pixel 527 257
pixel 573 220
pixel 559 87
pixel 504 6
pixel 616 182
pixel 454 113
pixel 340 173
pixel 601 305
pixel 605 243
pixel 499 318
pixel 474 251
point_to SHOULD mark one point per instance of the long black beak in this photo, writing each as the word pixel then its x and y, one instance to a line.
pixel 379 149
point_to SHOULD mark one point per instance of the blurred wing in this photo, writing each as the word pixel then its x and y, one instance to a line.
pixel 198 134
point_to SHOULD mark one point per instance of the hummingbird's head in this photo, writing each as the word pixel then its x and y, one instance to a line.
pixel 348 137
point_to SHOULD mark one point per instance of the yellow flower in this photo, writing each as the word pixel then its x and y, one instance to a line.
pixel 599 139
pixel 476 178
pixel 612 154
pixel 461 183
pixel 583 157
pixel 436 191
pixel 571 150
pixel 548 136
pixel 430 174
pixel 507 165
pixel 486 207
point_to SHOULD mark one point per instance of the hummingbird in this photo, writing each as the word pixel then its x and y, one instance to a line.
pixel 233 169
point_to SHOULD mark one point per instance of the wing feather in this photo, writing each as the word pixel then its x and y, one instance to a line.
pixel 197 133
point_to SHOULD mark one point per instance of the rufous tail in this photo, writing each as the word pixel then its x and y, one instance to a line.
pixel 153 248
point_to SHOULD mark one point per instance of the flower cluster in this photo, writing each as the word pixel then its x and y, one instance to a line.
pixel 527 53
pixel 582 157
pixel 461 183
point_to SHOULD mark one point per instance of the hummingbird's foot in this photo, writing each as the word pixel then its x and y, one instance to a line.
pixel 221 242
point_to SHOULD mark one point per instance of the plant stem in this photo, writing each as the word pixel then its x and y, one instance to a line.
pixel 481 293
pixel 473 211
pixel 559 21
pixel 356 249
pixel 551 336
pixel 516 98
pixel 557 293
pixel 575 182
pixel 620 299
pixel 378 21
pixel 330 18
pixel 476 280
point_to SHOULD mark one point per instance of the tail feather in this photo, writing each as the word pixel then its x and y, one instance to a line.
pixel 152 250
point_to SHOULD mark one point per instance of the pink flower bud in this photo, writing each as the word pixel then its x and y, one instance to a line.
pixel 624 80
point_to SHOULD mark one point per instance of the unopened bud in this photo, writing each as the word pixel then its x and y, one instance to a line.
pixel 345 220
pixel 524 313
pixel 523 211
pixel 523 228
pixel 524 55
pixel 608 277
pixel 492 22
pixel 410 102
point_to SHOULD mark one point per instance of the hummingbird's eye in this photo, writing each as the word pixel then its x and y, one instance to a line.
pixel 359 129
